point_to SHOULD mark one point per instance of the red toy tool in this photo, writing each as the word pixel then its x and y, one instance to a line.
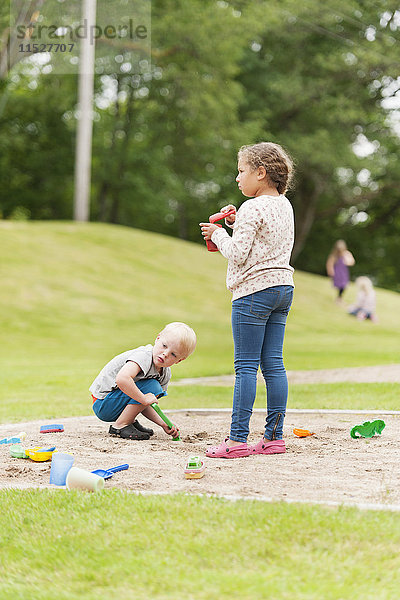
pixel 51 428
pixel 211 247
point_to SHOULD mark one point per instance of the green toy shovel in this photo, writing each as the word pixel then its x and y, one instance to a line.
pixel 166 420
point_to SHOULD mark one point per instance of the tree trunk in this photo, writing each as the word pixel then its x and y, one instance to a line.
pixel 306 213
pixel 303 226
pixel 122 153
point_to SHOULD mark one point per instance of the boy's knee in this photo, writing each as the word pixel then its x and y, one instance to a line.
pixel 150 386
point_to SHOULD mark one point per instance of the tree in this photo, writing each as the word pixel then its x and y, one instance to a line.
pixel 316 77
pixel 179 123
pixel 313 84
pixel 36 158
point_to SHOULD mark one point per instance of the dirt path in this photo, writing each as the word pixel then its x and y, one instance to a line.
pixel 380 373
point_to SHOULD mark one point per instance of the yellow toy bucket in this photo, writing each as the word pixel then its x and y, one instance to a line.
pixel 39 454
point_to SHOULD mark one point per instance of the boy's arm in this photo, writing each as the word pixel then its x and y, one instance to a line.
pixel 151 414
pixel 124 381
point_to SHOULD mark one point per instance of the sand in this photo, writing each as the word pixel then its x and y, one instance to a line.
pixel 329 467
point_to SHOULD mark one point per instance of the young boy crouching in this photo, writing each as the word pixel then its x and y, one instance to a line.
pixel 133 380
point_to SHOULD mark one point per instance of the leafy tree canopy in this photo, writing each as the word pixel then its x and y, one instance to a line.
pixel 320 78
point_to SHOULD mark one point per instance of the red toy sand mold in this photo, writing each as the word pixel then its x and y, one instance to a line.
pixel 211 247
pixel 51 428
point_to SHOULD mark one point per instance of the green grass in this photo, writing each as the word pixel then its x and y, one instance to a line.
pixel 117 545
pixel 349 396
pixel 74 295
pixel 357 396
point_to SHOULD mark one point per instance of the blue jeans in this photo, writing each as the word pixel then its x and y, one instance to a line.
pixel 258 326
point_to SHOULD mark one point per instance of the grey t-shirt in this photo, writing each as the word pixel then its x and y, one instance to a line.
pixel 143 356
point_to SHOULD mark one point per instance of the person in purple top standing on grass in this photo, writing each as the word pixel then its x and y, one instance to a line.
pixel 337 267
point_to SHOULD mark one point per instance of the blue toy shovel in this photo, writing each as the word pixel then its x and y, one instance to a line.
pixel 107 473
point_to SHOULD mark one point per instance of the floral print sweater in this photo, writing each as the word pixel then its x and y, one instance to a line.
pixel 260 247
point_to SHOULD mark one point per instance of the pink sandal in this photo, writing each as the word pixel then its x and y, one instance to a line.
pixel 266 447
pixel 224 451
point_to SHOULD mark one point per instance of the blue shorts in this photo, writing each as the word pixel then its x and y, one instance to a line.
pixel 109 408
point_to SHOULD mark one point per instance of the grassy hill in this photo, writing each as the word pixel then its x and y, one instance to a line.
pixel 74 295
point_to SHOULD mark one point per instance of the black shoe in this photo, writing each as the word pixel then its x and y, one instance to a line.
pixel 129 433
pixel 140 427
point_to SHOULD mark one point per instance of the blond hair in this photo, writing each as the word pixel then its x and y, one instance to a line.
pixel 184 334
pixel 364 283
pixel 276 161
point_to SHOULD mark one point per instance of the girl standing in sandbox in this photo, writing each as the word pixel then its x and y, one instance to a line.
pixel 261 280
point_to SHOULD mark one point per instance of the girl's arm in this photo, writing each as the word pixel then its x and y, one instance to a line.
pixel 348 258
pixel 207 229
pixel 230 221
pixel 330 264
pixel 237 247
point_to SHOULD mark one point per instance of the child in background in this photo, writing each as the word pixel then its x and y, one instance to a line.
pixel 337 267
pixel 133 380
pixel 365 305
pixel 261 280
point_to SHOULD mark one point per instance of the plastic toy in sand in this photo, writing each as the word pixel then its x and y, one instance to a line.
pixel 61 463
pixel 17 451
pixel 166 420
pixel 79 479
pixel 194 468
pixel 108 473
pixel 51 428
pixel 211 247
pixel 39 454
pixel 14 440
pixel 368 429
pixel 302 432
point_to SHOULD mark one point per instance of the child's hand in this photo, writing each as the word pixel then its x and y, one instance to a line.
pixel 174 431
pixel 149 399
pixel 207 229
pixel 231 219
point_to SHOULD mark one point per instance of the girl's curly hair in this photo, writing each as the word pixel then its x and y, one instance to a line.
pixel 276 161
